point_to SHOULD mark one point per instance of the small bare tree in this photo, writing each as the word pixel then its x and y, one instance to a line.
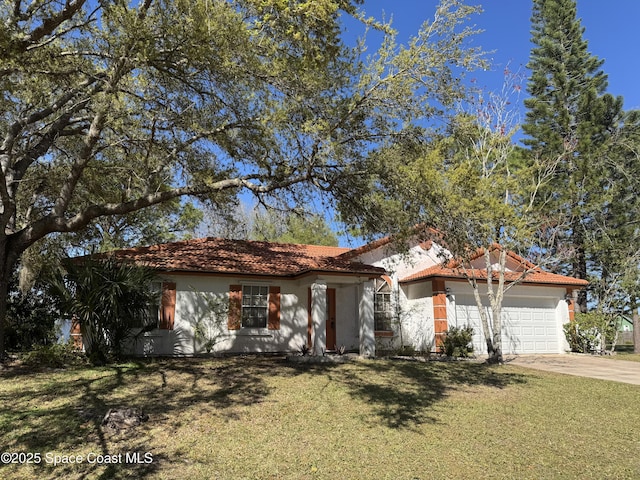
pixel 489 200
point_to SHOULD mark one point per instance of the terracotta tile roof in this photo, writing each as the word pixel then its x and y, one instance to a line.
pixel 536 276
pixel 425 235
pixel 453 269
pixel 217 255
pixel 496 246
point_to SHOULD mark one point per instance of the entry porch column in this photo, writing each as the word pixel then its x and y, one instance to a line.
pixel 367 321
pixel 319 317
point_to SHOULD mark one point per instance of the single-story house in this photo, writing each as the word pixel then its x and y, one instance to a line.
pixel 221 295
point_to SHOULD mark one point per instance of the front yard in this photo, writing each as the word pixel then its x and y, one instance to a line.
pixel 263 418
pixel 625 352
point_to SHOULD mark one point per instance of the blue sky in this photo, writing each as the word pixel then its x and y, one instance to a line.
pixel 611 30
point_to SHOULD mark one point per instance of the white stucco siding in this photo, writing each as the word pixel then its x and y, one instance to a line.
pixel 511 264
pixel 202 306
pixel 532 318
pixel 402 265
pixel 416 316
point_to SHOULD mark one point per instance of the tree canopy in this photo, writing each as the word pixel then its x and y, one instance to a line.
pixel 109 108
pixel 307 229
pixel 590 199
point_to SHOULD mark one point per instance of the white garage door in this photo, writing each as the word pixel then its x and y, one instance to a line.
pixel 525 329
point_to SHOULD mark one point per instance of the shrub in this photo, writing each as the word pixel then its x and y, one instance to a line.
pixel 110 300
pixel 590 332
pixel 406 351
pixel 57 355
pixel 31 316
pixel 457 342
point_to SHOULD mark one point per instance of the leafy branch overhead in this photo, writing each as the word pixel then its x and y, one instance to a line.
pixel 109 108
pixel 113 108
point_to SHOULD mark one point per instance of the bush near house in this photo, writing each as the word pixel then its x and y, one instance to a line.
pixel 31 316
pixel 591 332
pixel 57 355
pixel 110 300
pixel 457 342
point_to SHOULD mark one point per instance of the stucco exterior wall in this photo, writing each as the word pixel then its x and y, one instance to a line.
pixel 199 328
pixel 417 316
pixel 400 265
pixel 200 324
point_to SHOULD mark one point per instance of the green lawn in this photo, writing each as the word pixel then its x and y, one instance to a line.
pixel 624 352
pixel 629 357
pixel 263 418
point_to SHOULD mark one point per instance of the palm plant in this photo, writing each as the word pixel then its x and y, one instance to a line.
pixel 109 299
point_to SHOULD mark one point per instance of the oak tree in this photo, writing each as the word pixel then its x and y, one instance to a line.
pixel 110 107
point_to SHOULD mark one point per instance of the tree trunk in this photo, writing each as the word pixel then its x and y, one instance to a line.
pixel 580 266
pixel 496 356
pixel 636 332
pixel 484 320
pixel 4 292
pixel 5 275
pixel 7 263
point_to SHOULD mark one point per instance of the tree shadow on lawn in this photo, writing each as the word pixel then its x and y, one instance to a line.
pixel 61 411
pixel 403 393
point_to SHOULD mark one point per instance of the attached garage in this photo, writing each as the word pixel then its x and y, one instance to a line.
pixel 535 307
pixel 525 328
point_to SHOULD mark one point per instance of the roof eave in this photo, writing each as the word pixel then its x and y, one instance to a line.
pixel 291 276
pixel 579 283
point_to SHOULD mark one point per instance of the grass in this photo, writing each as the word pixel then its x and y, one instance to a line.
pixel 624 352
pixel 263 418
pixel 630 357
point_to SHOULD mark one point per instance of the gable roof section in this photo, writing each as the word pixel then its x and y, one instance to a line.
pixel 425 236
pixel 217 255
pixel 454 270
pixel 536 276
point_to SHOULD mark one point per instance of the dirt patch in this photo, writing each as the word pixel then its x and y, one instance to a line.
pixel 118 419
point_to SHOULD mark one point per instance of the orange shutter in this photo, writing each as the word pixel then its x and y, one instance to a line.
pixel 234 320
pixel 309 318
pixel 440 323
pixel 76 333
pixel 168 305
pixel 274 308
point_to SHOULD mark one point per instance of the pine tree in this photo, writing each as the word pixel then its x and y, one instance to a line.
pixel 569 118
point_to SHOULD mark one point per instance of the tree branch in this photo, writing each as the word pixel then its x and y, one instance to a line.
pixel 56 223
pixel 49 24
pixel 17 126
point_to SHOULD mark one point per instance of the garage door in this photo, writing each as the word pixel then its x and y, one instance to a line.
pixel 524 329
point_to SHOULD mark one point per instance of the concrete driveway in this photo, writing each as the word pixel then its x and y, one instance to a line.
pixel 581 366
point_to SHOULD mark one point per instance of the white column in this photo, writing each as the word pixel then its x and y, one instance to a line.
pixel 319 317
pixel 367 326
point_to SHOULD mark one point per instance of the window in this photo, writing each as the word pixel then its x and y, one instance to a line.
pixel 255 306
pixel 162 306
pixel 382 311
pixel 156 303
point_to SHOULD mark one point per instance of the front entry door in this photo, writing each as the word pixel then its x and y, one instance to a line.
pixel 331 318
